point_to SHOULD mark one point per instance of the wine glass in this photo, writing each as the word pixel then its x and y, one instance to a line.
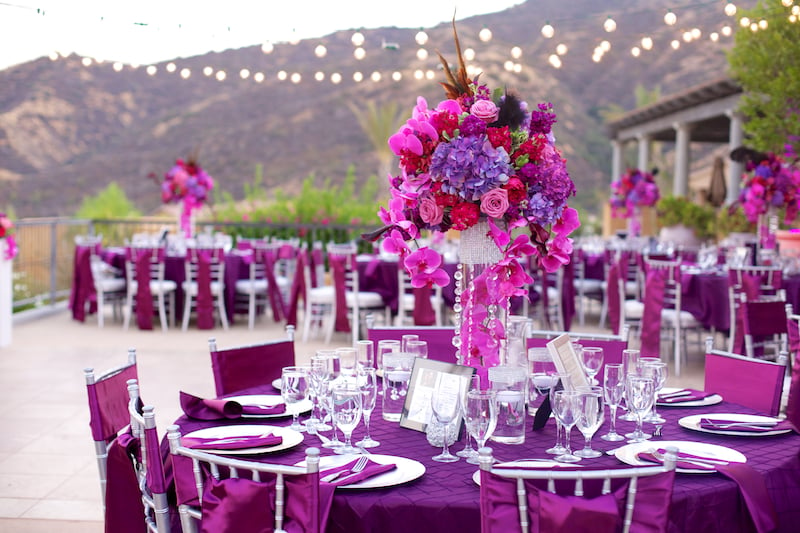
pixel 368 381
pixel 640 399
pixel 480 416
pixel 347 361
pixel 346 399
pixel 565 407
pixel 592 361
pixel 590 418
pixel 418 348
pixel 294 388
pixel 559 382
pixel 473 384
pixel 317 370
pixel 614 386
pixel 658 371
pixel 444 407
pixel 630 364
pixel 405 339
pixel 365 353
pixel 385 346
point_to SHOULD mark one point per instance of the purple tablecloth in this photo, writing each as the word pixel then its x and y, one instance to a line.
pixel 446 498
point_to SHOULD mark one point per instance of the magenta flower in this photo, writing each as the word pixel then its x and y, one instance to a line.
pixel 424 265
pixel 394 243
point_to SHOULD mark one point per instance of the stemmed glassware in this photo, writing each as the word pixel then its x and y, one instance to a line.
pixel 333 370
pixel 630 365
pixel 658 371
pixel 474 384
pixel 346 399
pixel 347 361
pixel 445 401
pixel 590 418
pixel 317 370
pixel 404 340
pixel 368 382
pixel 365 353
pixel 418 348
pixel 385 346
pixel 294 388
pixel 592 361
pixel 614 386
pixel 565 407
pixel 480 416
pixel 559 383
pixel 640 393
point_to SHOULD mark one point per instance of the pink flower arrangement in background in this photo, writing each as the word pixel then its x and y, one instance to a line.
pixel 6 232
pixel 188 183
pixel 772 182
pixel 634 189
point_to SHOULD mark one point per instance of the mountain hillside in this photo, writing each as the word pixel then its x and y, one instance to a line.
pixel 67 130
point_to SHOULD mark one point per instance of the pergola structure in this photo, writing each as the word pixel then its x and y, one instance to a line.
pixel 704 113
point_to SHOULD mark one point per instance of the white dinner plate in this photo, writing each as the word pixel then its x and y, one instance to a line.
pixel 627 454
pixel 708 400
pixel 277 383
pixel 527 465
pixel 290 437
pixel 693 422
pixel 271 400
pixel 407 470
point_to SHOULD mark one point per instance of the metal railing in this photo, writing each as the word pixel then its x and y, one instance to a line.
pixel 43 269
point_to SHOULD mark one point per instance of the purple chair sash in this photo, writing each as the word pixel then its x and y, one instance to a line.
pixel 298 288
pixel 568 295
pixel 612 293
pixel 241 368
pixel 108 404
pixel 123 497
pixel 337 267
pixel 142 259
pixel 205 301
pixel 751 383
pixel 651 318
pixel 751 286
pixel 315 260
pixel 793 402
pixel 83 289
pixel 273 291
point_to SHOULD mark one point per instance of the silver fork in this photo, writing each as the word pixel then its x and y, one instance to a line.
pixel 358 467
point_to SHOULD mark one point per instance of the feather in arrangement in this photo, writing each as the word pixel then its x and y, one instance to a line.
pixel 458 83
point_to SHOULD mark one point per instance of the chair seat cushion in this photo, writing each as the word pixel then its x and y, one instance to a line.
pixel 634 309
pixel 109 284
pixel 365 299
pixel 190 287
pixel 589 285
pixel 687 320
pixel 254 286
pixel 324 295
pixel 156 287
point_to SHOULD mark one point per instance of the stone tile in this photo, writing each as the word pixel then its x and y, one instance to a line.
pixel 28 486
pixel 49 526
pixel 14 508
pixel 52 509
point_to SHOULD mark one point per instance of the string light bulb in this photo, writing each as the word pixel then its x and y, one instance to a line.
pixel 117 65
pixel 687 36
pixel 730 9
pixel 609 25
pixel 422 54
pixel 548 30
pixel 554 60
pixel 259 77
pixel 418 74
pixel 753 27
pixel 670 18
pixel 763 24
pixel 220 75
pixel 151 70
pixel 357 77
pixel 469 54
pixel 359 53
pixel 561 49
pixel 296 78
pixel 244 73
pixel 375 76
pixel 357 39
pixel 714 36
pixel 185 73
pixel 267 47
pixel 636 51
pixel 336 78
pixel 421 37
pixel 516 52
pixel 282 75
pixel 605 46
pixel 647 43
pixel 796 11
pixel 171 67
pixel 508 65
pixel 320 50
pixel 485 34
pixel 786 3
pixel 87 61
pixel 319 76
pixel 744 22
pixel 429 74
pixel 726 31
pixel 696 33
pixel 675 44
pixel 397 75
pixel 208 71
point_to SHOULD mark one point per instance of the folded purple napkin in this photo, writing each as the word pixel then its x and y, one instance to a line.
pixel 685 464
pixel 232 443
pixel 346 478
pixel 718 424
pixel 217 409
pixel 692 396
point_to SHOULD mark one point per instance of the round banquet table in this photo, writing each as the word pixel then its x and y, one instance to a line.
pixel 445 498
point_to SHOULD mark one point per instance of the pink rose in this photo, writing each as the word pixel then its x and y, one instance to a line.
pixel 484 110
pixel 495 203
pixel 430 212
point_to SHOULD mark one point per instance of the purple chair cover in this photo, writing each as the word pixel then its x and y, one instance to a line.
pixel 205 301
pixel 751 286
pixel 338 269
pixel 108 404
pixel 123 497
pixel 298 288
pixel 439 339
pixel 156 480
pixel 748 382
pixel 142 258
pixel 236 369
pixel 82 290
pixel 793 402
pixel 423 309
pixel 315 259
pixel 548 512
pixel 651 317
pixel 612 293
pixel 268 256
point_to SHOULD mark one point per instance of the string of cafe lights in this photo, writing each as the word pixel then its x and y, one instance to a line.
pixel 642 45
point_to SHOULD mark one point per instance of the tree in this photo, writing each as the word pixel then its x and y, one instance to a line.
pixel 111 202
pixel 378 124
pixel 765 63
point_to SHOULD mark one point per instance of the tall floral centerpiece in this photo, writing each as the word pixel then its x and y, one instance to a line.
pixel 188 184
pixel 632 191
pixel 8 250
pixel 482 163
pixel 770 183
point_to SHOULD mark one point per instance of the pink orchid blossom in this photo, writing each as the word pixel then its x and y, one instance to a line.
pixel 394 243
pixel 501 238
pixel 559 252
pixel 450 106
pixel 568 222
pixel 424 266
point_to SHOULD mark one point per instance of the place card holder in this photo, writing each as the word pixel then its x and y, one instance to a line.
pixel 567 362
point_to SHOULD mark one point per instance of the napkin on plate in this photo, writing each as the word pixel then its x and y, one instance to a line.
pixel 370 470
pixel 264 409
pixel 692 396
pixel 216 409
pixel 686 463
pixel 232 443
pixel 718 424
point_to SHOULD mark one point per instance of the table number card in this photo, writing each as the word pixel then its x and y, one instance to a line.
pixel 426 376
pixel 567 361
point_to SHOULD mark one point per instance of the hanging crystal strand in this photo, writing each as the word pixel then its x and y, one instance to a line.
pixel 457 308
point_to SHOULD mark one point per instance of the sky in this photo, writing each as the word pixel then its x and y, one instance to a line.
pixel 150 31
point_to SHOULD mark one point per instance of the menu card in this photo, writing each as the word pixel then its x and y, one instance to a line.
pixel 567 361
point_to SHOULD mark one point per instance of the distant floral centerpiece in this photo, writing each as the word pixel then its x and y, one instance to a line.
pixel 771 182
pixel 480 156
pixel 635 189
pixel 189 184
pixel 7 234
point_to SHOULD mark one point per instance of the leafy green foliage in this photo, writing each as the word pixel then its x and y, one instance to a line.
pixel 675 210
pixel 109 203
pixel 765 63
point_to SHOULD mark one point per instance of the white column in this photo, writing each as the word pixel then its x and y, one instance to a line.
pixel 616 159
pixel 6 296
pixel 735 170
pixel 680 186
pixel 643 162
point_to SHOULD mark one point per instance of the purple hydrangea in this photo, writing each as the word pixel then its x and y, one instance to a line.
pixel 542 120
pixel 470 166
pixel 472 126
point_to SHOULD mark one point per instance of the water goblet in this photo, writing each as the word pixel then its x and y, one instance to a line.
pixel 418 348
pixel 630 365
pixel 658 371
pixel 365 353
pixel 385 346
pixel 346 399
pixel 590 418
pixel 444 407
pixel 294 388
pixel 368 382
pixel 539 384
pixel 405 339
pixel 480 416
pixel 565 407
pixel 347 361
pixel 592 361
pixel 473 384
pixel 560 382
pixel 614 386
pixel 640 400
pixel 316 374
